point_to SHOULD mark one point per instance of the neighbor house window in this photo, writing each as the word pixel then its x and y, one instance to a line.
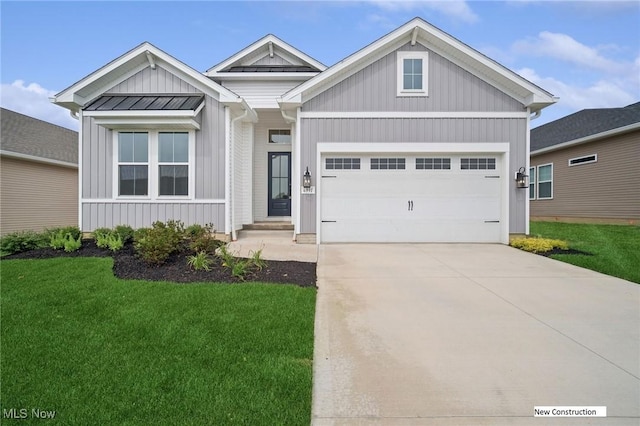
pixel 583 160
pixel 173 163
pixel 280 136
pixel 154 164
pixel 532 183
pixel 545 182
pixel 412 69
pixel 133 163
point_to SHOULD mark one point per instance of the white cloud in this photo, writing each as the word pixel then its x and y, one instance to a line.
pixel 33 100
pixel 455 9
pixel 600 94
pixel 565 48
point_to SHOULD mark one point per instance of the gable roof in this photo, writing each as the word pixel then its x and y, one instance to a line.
pixel 268 45
pixel 584 126
pixel 32 139
pixel 418 30
pixel 81 93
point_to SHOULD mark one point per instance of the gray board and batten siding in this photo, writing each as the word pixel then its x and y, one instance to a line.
pixel 97 160
pixel 451 89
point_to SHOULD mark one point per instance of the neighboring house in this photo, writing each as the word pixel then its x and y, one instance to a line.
pixel 38 174
pixel 584 167
pixel 415 137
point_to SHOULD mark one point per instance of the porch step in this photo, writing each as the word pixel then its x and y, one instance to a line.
pixel 269 226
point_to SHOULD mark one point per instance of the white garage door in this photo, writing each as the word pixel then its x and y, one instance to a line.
pixel 411 198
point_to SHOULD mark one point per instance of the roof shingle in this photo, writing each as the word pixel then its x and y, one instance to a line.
pixel 26 135
pixel 582 124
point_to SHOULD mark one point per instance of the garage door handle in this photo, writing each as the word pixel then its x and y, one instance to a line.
pixel 491 221
pixel 329 221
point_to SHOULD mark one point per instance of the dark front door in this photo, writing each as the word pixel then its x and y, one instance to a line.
pixel 279 184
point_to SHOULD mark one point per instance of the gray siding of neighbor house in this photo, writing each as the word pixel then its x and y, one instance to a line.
pixel 451 89
pixel 97 161
pixel 605 190
pixel 37 196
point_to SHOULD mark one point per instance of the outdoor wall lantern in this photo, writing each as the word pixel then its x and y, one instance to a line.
pixel 306 179
pixel 522 180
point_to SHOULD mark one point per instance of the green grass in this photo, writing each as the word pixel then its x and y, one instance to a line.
pixel 615 249
pixel 99 350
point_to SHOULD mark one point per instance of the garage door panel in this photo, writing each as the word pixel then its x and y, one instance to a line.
pixel 411 205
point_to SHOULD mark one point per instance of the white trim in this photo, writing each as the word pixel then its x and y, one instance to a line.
pixel 400 57
pixel 546 181
pixel 589 138
pixel 150 201
pixel 412 114
pixel 595 160
pixel 297 212
pixel 527 163
pixel 301 76
pixel 146 113
pixel 532 184
pixel 80 168
pixel 499 148
pixel 227 170
pixel 151 122
pixel 37 159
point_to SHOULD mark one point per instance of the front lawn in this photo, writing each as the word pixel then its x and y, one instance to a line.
pixel 615 249
pixel 99 350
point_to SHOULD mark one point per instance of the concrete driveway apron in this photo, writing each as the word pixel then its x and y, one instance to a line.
pixel 420 334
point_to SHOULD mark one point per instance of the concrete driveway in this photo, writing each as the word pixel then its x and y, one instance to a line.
pixel 421 334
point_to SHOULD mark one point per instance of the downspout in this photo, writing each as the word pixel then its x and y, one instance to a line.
pixel 234 237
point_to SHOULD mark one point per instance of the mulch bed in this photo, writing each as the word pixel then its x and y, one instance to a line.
pixel 127 266
pixel 561 251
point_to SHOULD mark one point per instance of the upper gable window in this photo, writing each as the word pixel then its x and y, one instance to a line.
pixel 412 73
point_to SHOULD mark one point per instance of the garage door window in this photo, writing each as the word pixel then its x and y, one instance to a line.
pixel 477 164
pixel 388 163
pixel 342 164
pixel 433 163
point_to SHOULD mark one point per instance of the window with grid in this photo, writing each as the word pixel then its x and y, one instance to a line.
pixel 282 136
pixel 532 183
pixel 477 163
pixel 545 182
pixel 342 164
pixel 388 163
pixel 412 73
pixel 133 163
pixel 173 163
pixel 433 163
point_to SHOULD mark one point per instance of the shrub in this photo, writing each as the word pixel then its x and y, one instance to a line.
pixel 125 232
pixel 199 261
pixel 114 241
pixel 20 241
pixel 100 235
pixel 202 238
pixel 57 239
pixel 72 244
pixel 538 245
pixel 156 244
pixel 64 230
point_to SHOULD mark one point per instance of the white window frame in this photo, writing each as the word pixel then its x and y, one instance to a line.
pixel 533 173
pixel 154 166
pixel 276 143
pixel 118 163
pixel 595 160
pixel 539 182
pixel 400 57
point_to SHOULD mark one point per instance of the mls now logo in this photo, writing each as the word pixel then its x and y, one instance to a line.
pixel 23 413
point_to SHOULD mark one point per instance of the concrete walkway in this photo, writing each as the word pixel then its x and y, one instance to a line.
pixel 275 245
pixel 455 334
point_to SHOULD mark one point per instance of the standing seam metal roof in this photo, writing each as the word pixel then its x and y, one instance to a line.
pixel 182 102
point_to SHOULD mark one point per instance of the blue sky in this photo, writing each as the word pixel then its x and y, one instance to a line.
pixel 586 53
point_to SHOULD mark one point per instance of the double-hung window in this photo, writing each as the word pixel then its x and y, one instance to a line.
pixel 545 182
pixel 133 163
pixel 173 163
pixel 412 70
pixel 532 183
pixel 154 164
